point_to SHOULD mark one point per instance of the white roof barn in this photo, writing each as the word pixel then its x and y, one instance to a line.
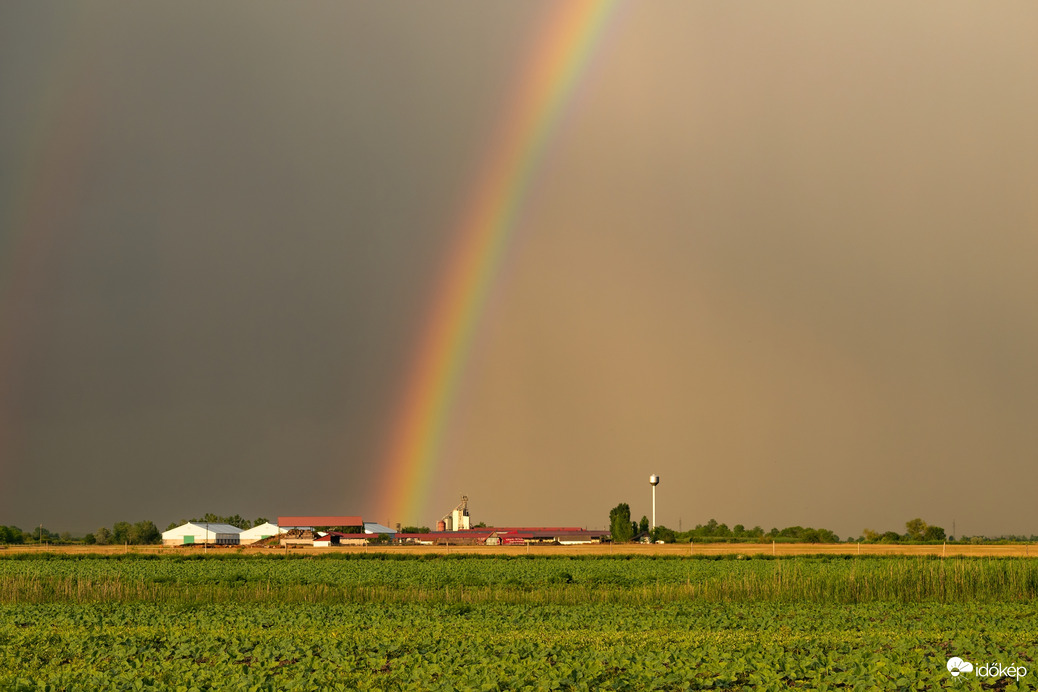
pixel 201 532
pixel 374 527
pixel 258 533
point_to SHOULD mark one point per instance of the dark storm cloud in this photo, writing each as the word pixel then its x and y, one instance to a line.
pixel 261 211
pixel 783 256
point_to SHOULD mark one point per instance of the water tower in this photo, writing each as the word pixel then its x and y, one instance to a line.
pixel 654 480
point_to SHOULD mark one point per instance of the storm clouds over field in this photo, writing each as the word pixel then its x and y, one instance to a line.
pixel 784 256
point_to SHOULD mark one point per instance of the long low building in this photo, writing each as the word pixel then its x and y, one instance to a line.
pixel 561 536
pixel 564 535
pixel 194 533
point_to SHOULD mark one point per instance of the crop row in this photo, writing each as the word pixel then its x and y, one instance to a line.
pixel 539 580
pixel 502 646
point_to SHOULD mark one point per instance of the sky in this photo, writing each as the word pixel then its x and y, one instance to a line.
pixel 784 256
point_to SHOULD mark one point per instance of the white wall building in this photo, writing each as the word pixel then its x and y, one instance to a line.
pixel 258 533
pixel 201 532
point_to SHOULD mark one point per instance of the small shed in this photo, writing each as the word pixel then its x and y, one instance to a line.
pixel 193 533
pixel 258 533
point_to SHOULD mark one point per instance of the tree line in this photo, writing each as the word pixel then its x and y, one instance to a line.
pixel 124 533
pixel 623 529
pixel 210 518
pixel 916 531
pixel 121 533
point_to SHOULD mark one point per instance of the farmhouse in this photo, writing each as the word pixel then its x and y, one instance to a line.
pixel 193 533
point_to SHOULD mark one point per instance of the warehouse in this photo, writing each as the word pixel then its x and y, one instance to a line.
pixel 258 533
pixel 515 535
pixel 193 533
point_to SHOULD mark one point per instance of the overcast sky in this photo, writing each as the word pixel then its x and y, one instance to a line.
pixel 783 255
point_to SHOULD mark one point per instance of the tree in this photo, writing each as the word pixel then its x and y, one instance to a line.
pixel 103 536
pixel 662 533
pixel 915 529
pixel 643 525
pixel 11 534
pixel 870 536
pixel 260 521
pixel 827 536
pixel 933 533
pixel 121 532
pixel 144 533
pixel 810 536
pixel 620 523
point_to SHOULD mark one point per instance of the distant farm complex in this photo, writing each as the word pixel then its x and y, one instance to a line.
pixel 329 531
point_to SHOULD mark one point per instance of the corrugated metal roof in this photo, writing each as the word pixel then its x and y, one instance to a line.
pixel 375 527
pixel 202 526
pixel 216 528
pixel 266 529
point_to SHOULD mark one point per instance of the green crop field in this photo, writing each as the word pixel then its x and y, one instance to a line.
pixel 340 621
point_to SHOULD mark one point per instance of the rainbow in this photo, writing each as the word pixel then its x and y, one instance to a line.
pixel 570 34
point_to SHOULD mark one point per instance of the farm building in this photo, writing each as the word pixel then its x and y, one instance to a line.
pixel 258 533
pixel 193 533
pixel 565 535
pixel 505 536
pixel 374 527
pixel 470 537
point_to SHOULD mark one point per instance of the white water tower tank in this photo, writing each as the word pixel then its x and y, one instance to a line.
pixel 654 480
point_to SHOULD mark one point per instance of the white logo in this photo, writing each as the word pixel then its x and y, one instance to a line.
pixel 956 666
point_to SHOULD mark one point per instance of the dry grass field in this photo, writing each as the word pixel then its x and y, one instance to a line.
pixel 778 549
